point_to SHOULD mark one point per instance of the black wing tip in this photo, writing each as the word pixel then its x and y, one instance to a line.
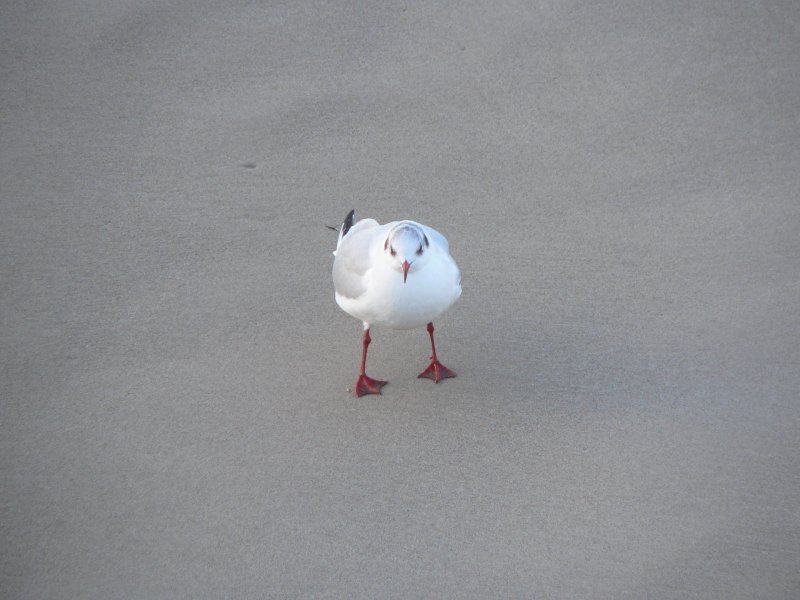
pixel 348 222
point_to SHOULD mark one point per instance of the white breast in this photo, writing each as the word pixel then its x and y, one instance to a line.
pixel 425 295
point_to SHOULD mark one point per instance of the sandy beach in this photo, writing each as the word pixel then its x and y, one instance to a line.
pixel 619 185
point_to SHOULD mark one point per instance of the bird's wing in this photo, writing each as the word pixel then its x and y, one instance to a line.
pixel 353 258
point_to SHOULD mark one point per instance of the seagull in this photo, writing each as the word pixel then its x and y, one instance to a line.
pixel 398 275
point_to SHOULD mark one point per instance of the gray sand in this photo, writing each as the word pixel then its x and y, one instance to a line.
pixel 619 183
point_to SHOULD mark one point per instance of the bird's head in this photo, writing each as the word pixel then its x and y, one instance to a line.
pixel 406 248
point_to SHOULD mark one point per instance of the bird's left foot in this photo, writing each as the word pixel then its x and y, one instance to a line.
pixel 436 371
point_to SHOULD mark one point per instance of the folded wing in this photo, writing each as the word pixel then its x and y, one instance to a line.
pixel 353 258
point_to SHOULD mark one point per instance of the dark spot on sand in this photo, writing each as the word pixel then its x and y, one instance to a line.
pixel 249 165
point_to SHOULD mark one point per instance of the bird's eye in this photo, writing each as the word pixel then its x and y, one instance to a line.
pixel 393 251
pixel 419 250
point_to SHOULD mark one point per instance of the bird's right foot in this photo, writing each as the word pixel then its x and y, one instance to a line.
pixel 367 385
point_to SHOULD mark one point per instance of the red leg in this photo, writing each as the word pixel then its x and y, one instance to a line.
pixel 367 385
pixel 436 370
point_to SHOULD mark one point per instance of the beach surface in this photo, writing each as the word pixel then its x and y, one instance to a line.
pixel 619 184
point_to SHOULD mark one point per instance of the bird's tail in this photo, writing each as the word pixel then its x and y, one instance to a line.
pixel 348 223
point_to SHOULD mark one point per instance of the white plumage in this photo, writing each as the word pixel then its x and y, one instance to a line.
pixel 398 275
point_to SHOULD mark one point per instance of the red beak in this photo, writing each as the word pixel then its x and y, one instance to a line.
pixel 405 270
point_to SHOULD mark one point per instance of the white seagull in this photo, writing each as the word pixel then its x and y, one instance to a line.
pixel 400 275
